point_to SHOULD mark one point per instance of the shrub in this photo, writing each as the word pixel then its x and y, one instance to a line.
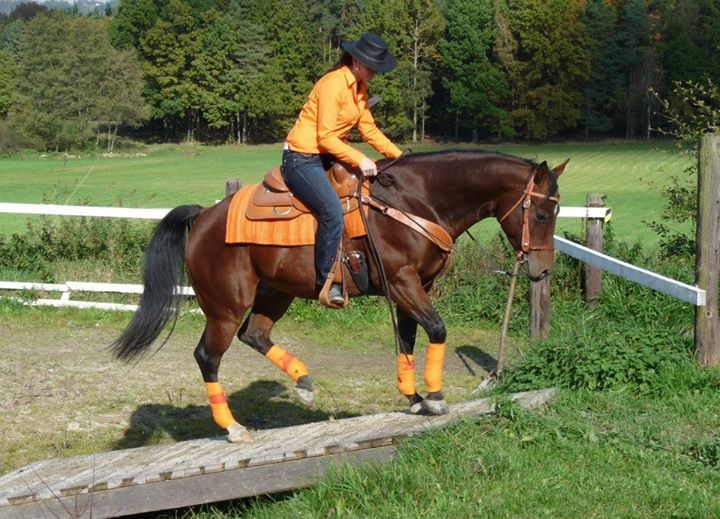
pixel 117 245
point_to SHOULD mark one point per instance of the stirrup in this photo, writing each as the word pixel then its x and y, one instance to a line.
pixel 335 277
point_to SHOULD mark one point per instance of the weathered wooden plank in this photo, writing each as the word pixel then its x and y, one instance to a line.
pixel 197 489
pixel 63 480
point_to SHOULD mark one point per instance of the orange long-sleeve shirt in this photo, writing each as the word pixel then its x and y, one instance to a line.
pixel 333 108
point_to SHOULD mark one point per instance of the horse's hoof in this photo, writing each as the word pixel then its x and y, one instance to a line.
pixel 305 396
pixel 437 407
pixel 416 408
pixel 238 434
pixel 305 391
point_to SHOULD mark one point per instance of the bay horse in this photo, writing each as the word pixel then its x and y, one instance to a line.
pixel 454 189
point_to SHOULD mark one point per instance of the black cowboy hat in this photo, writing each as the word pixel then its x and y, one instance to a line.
pixel 372 51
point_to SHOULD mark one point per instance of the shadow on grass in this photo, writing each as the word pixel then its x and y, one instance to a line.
pixel 472 355
pixel 264 404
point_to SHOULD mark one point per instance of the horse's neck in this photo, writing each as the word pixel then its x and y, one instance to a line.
pixel 471 190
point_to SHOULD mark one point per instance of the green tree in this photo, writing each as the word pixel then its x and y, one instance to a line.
pixel 475 84
pixel 228 69
pixel 245 79
pixel 8 78
pixel 390 20
pixel 633 39
pixel 551 65
pixel 333 20
pixel 63 96
pixel 120 92
pixel 291 68
pixel 605 89
pixel 169 49
pixel 132 20
pixel 692 109
pixel 426 29
pixel 690 43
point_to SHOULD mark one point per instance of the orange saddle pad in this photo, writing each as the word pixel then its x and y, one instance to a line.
pixel 289 233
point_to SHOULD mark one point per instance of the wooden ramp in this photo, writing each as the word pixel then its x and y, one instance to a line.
pixel 145 479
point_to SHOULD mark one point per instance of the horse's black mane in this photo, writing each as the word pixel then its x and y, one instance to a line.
pixel 387 179
pixel 470 152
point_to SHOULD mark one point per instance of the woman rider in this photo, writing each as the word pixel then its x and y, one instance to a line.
pixel 336 104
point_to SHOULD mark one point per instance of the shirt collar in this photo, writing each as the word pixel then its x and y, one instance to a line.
pixel 349 76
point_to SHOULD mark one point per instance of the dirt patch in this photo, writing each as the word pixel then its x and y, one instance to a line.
pixel 64 394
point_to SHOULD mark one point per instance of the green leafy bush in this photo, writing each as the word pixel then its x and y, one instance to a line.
pixel 117 246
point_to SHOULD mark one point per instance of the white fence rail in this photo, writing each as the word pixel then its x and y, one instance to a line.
pixel 671 287
pixel 83 210
pixel 156 214
pixel 66 289
pixel 644 277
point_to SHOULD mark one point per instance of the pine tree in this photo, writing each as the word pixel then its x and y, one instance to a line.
pixel 604 90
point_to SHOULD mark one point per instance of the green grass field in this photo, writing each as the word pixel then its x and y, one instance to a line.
pixel 630 174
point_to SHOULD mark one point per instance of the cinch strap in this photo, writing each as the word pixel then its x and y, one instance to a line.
pixel 406 374
pixel 434 360
pixel 287 362
pixel 218 403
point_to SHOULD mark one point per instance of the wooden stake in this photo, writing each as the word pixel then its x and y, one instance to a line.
pixel 707 261
pixel 594 241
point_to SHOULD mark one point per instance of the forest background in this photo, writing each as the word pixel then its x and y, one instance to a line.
pixel 238 71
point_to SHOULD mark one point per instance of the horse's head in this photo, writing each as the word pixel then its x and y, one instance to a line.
pixel 528 219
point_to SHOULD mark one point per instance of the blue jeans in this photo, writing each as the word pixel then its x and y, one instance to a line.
pixel 305 176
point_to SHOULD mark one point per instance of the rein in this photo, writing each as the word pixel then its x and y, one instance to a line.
pixel 381 270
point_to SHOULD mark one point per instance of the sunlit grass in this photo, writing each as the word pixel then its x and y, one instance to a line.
pixel 630 174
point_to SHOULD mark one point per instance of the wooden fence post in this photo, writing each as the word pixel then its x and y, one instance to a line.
pixel 592 280
pixel 540 309
pixel 232 186
pixel 707 259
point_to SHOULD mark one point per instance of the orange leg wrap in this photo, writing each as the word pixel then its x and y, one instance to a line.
pixel 406 374
pixel 218 403
pixel 287 362
pixel 434 360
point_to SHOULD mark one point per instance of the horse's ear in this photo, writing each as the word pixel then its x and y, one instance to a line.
pixel 542 169
pixel 560 168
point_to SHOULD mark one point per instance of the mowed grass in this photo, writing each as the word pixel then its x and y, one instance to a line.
pixel 630 174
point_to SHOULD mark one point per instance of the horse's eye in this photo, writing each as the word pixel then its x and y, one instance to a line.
pixel 541 217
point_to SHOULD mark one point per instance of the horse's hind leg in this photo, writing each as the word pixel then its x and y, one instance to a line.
pixel 268 308
pixel 215 341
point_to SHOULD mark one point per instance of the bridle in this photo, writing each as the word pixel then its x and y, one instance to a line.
pixel 526 200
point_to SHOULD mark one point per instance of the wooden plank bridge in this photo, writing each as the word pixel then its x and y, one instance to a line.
pixel 146 479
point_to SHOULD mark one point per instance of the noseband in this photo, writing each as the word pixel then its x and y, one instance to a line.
pixel 526 200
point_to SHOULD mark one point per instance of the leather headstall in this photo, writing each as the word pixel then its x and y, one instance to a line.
pixel 526 200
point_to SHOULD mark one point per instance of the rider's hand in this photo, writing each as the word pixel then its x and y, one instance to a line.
pixel 368 167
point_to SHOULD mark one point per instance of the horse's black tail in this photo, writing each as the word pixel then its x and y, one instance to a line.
pixel 164 270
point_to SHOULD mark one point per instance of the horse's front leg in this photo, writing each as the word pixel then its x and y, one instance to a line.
pixel 412 300
pixel 407 329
